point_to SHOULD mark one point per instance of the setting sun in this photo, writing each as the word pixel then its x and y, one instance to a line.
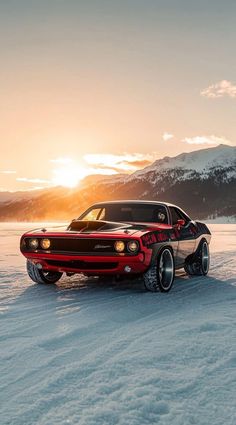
pixel 68 172
pixel 67 177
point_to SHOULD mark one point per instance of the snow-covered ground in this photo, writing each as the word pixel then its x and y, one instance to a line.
pixel 91 353
pixel 222 220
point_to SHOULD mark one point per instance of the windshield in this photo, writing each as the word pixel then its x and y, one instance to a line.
pixel 146 213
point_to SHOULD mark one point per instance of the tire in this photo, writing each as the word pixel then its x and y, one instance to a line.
pixel 160 276
pixel 199 264
pixel 40 276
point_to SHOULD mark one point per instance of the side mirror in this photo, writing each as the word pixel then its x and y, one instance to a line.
pixel 181 222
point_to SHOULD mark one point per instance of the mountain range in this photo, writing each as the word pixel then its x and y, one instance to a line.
pixel 202 182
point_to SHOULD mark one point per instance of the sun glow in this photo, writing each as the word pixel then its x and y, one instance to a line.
pixel 69 172
pixel 68 176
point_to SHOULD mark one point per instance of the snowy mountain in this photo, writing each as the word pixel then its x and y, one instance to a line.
pixel 202 163
pixel 201 182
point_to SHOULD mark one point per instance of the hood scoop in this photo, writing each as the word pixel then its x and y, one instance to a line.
pixel 84 226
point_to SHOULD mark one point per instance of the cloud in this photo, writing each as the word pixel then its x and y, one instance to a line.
pixel 122 163
pixel 26 180
pixel 139 163
pixel 207 140
pixel 167 136
pixel 220 89
pixel 34 188
pixel 8 172
pixel 122 166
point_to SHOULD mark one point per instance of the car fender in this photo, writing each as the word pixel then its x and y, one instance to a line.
pixel 195 254
pixel 158 248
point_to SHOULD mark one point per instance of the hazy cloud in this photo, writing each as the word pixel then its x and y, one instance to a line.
pixel 119 163
pixel 27 180
pixel 8 172
pixel 139 163
pixel 220 89
pixel 122 167
pixel 207 140
pixel 167 136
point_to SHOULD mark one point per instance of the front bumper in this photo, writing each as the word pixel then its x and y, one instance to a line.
pixel 92 265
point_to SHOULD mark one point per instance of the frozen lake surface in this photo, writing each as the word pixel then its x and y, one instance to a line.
pixel 90 353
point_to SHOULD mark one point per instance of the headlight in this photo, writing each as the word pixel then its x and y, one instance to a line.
pixel 45 243
pixel 132 246
pixel 119 246
pixel 33 243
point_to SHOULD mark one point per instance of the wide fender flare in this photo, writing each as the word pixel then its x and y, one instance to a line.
pixel 194 256
pixel 158 248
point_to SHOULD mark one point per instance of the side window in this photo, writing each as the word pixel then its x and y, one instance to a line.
pixel 160 215
pixel 102 214
pixel 176 215
pixel 92 215
pixel 183 215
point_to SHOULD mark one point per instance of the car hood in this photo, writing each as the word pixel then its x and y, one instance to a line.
pixel 82 227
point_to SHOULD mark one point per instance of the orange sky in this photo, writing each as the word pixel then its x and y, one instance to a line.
pixel 106 87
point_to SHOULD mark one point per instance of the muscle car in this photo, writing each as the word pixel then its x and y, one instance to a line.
pixel 121 238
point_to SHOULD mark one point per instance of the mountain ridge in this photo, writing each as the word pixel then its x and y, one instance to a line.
pixel 202 182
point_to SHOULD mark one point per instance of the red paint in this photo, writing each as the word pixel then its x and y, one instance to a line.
pixel 139 263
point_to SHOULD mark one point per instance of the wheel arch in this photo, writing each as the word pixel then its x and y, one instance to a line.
pixel 202 239
pixel 157 250
pixel 192 256
pixel 199 262
pixel 156 277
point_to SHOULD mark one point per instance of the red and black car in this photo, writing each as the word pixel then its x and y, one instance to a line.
pixel 119 238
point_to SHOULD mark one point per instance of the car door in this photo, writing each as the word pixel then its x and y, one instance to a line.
pixel 186 237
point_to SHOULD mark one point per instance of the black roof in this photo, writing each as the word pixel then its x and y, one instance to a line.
pixel 134 201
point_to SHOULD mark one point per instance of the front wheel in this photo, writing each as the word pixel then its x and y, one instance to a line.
pixel 200 263
pixel 41 276
pixel 160 276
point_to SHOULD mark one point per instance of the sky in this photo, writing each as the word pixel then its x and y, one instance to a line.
pixel 109 86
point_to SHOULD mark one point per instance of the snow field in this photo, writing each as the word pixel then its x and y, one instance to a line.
pixel 93 353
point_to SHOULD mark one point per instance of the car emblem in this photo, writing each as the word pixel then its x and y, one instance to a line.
pixel 102 246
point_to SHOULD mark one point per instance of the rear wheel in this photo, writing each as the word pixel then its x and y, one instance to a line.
pixel 200 262
pixel 41 276
pixel 160 276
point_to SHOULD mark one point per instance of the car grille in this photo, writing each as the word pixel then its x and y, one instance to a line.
pixel 78 245
pixel 81 245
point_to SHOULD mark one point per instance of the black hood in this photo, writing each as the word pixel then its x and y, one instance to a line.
pixel 85 226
